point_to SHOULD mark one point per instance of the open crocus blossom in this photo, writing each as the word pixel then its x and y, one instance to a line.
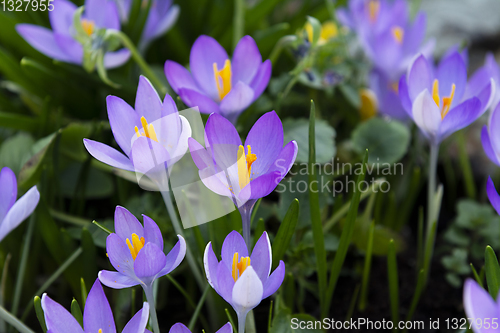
pixel 434 98
pixel 493 195
pixel 246 172
pixel 480 308
pixel 13 212
pixel 61 43
pixel 243 280
pixel 153 136
pixel 216 83
pixel 97 315
pixel 181 328
pixel 490 136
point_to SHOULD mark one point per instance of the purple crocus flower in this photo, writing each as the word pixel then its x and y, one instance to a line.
pixel 493 195
pixel 97 315
pixel 246 172
pixel 242 280
pixel 162 16
pixel 435 100
pixel 482 77
pixel 13 212
pixel 180 328
pixel 217 84
pixel 386 92
pixel 153 136
pixel 61 44
pixel 490 137
pixel 481 308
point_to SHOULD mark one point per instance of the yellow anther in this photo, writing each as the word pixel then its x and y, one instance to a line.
pixel 395 87
pixel 244 163
pixel 398 34
pixel 240 266
pixel 435 92
pixel 149 130
pixel 136 245
pixel 447 100
pixel 88 26
pixel 223 78
pixel 100 330
pixel 373 9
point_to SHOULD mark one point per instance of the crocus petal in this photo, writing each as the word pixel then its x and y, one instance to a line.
pixel 61 17
pixel 149 157
pixel 493 195
pixel 225 283
pixel 149 261
pixel 404 96
pixel 69 46
pixel 460 116
pixel 127 224
pixel 175 256
pixel 488 148
pixel 119 255
pixel 493 124
pixel 200 156
pixel 261 78
pixel 261 186
pixel 21 209
pixel 216 181
pixel 108 155
pixel 139 321
pixel 226 328
pixel 237 100
pixel 97 314
pixel 193 98
pixel 246 60
pixel 8 190
pixel 152 232
pixel 42 39
pixel 167 21
pixel 57 318
pixel 116 59
pixel 414 35
pixel 122 119
pixel 266 140
pixel 147 102
pixel 182 141
pixel 179 328
pixel 210 262
pixel 478 304
pixel 116 280
pixel 104 13
pixel 179 77
pixel 426 114
pixel 274 281
pixel 261 257
pixel 233 243
pixel 205 52
pixel 487 95
pixel 223 140
pixel 247 291
pixel 285 159
pixel 419 77
pixel 452 70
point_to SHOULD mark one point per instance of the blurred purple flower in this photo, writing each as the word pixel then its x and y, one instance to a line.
pixel 481 78
pixel 246 172
pixel 180 328
pixel 217 84
pixel 61 44
pixel 386 92
pixel 493 195
pixel 13 212
pixel 242 280
pixel 490 136
pixel 480 307
pixel 435 99
pixel 97 315
pixel 162 16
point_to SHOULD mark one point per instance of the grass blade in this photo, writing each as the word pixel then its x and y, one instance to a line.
pixel 76 311
pixel 492 271
pixel 392 272
pixel 416 295
pixel 39 313
pixel 366 270
pixel 285 232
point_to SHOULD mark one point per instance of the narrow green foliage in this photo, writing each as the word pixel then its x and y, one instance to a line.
pixel 416 295
pixel 476 276
pixel 492 271
pixel 285 232
pixel 76 311
pixel 103 228
pixel 352 304
pixel 392 272
pixel 84 291
pixel 37 301
pixel 366 270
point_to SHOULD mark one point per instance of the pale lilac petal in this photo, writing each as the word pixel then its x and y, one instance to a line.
pixel 460 116
pixel 61 18
pixel 152 232
pixel 261 186
pixel 404 96
pixel 123 120
pixel 426 114
pixel 104 13
pixel 119 255
pixel 97 314
pixel 261 79
pixel 414 35
pixel 493 195
pixel 42 39
pixel 139 321
pixel 108 155
pixel 247 291
pixel 487 95
pixel 21 209
pixel 200 155
pixel 57 318
pixel 488 148
pixel 205 52
pixel 420 77
pixel 147 102
pixel 116 280
pixel 175 256
pixel 149 261
pixel 478 304
pixel 179 77
pixel 225 283
pixel 223 140
pixel 150 158
pixel 179 328
pixel 216 181
pixel 226 328
pixel 285 159
pixel 116 58
pixel 236 101
pixel 274 281
pixel 193 99
pixel 8 190
pixel 261 257
pixel 493 126
pixel 167 21
pixel 69 46
pixel 452 70
pixel 233 243
pixel 246 61
pixel 477 82
pixel 127 224
pixel 266 141
pixel 211 263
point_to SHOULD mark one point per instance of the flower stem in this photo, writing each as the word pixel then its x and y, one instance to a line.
pixel 238 21
pixel 148 290
pixel 242 317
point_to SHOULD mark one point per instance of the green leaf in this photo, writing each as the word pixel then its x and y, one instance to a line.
pixel 285 322
pixel 386 141
pixel 98 183
pixel 285 232
pixel 39 313
pixel 15 151
pixel 77 312
pixel 316 26
pixel 72 140
pixel 392 272
pixel 18 122
pixel 89 258
pixel 382 236
pixel 297 129
pixel 363 300
pixel 492 270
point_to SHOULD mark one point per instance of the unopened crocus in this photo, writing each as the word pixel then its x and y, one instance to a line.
pixel 181 328
pixel 97 315
pixel 482 310
pixel 62 42
pixel 243 172
pixel 435 100
pixel 490 136
pixel 243 280
pixel 136 252
pixel 216 83
pixel 13 212
pixel 153 136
